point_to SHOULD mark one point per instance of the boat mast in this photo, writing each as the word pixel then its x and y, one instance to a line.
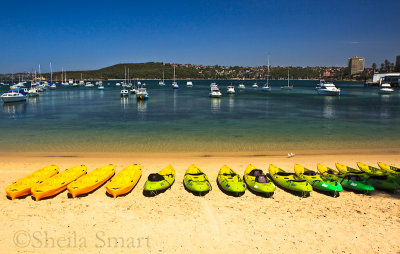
pixel 268 72
pixel 40 74
pixel 288 76
pixel 51 75
pixel 174 73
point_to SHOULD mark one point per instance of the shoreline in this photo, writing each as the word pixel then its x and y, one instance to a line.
pixel 277 153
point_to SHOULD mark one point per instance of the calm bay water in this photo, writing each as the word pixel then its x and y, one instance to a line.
pixel 84 119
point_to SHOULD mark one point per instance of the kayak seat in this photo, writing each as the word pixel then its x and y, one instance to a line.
pixel 285 174
pixel 353 178
pixel 262 179
pixel 299 181
pixel 256 172
pixel 310 173
pixel 229 174
pixel 155 177
pixel 330 171
pixel 195 174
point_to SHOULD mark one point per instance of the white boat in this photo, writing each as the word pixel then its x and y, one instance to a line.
pixel 53 86
pixel 33 92
pixel 75 84
pixel 386 89
pixel 89 85
pixel 288 87
pixel 133 90
pixel 214 91
pixel 231 90
pixel 71 81
pixel 241 86
pixel 189 83
pixel 162 83
pixel 14 95
pixel 255 85
pixel 174 83
pixel 118 84
pixel 327 88
pixel 100 87
pixel 266 86
pixel 142 94
pixel 124 92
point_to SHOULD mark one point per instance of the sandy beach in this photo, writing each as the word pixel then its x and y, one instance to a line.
pixel 178 222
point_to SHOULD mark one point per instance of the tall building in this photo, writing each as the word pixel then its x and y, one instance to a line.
pixel 397 66
pixel 356 65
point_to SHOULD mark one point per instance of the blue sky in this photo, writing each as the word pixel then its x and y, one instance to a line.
pixel 93 34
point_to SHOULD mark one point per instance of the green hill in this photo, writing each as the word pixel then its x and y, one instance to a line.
pixel 149 70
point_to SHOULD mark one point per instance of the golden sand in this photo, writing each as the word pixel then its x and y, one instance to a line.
pixel 178 222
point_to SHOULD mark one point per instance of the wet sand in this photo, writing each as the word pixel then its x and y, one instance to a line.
pixel 177 221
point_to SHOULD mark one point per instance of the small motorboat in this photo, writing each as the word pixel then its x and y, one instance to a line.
pixel 241 86
pixel 124 92
pixel 33 92
pixel 327 88
pixel 255 85
pixel 385 89
pixel 231 90
pixel 89 85
pixel 14 95
pixel 142 94
pixel 189 83
pixel 214 91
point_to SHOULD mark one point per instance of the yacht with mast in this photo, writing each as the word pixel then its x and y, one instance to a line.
pixel 266 86
pixel 162 83
pixel 174 83
pixel 288 87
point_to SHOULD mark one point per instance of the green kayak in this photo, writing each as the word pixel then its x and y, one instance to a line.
pixel 316 181
pixel 257 181
pixel 379 180
pixel 289 181
pixel 230 181
pixel 196 181
pixel 348 181
pixel 161 180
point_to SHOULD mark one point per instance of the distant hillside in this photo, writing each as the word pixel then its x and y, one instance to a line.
pixel 149 70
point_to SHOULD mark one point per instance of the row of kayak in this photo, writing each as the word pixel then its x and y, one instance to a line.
pixel 47 182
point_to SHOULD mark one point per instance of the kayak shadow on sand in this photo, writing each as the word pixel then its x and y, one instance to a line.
pixel 229 193
pixel 196 193
pixel 296 193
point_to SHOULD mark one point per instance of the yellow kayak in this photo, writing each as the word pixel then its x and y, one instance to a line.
pixel 91 180
pixel 23 186
pixel 124 181
pixel 389 169
pixel 57 183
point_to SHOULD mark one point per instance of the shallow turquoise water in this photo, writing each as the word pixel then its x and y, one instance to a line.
pixel 83 119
